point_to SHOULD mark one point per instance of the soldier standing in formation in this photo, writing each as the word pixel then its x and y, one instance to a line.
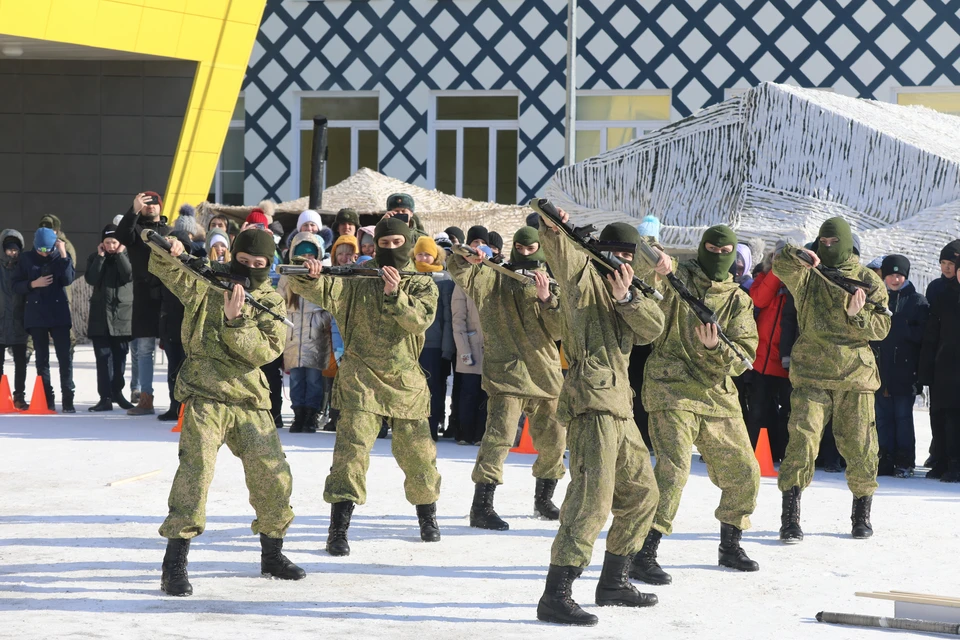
pixel 521 373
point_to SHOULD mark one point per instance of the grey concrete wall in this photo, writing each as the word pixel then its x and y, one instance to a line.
pixel 79 138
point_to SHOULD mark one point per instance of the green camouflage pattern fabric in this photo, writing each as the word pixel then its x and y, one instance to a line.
pixel 520 355
pixel 223 358
pixel 382 337
pixel 854 427
pixel 683 375
pixel 413 449
pixel 597 333
pixel 251 436
pixel 503 416
pixel 832 349
pixel 609 471
pixel 725 446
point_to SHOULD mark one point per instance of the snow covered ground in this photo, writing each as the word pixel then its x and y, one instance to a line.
pixel 81 559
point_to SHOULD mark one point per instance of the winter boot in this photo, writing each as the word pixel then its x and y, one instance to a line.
pixel 429 529
pixel 904 464
pixel 67 406
pixel 135 396
pixel 144 407
pixel 278 421
pixel 861 517
pixel 615 590
pixel 885 465
pixel 104 405
pixel 172 414
pixel 331 423
pixel 952 472
pixel 645 567
pixel 340 513
pixel 120 401
pixel 309 420
pixel 543 506
pixel 297 425
pixel 790 531
pixel 174 580
pixel 557 604
pixel 383 430
pixel 19 403
pixel 731 553
pixel 274 563
pixel 482 515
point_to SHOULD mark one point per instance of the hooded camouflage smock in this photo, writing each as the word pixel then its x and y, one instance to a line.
pixel 223 357
pixel 683 375
pixel 832 350
pixel 520 356
pixel 382 339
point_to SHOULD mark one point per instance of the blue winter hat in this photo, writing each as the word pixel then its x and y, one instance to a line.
pixel 44 238
pixel 650 226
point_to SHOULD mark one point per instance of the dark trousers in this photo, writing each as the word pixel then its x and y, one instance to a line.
pixel 895 427
pixel 473 408
pixel 19 366
pixel 41 348
pixel 937 426
pixel 769 407
pixel 175 358
pixel 274 373
pixel 111 355
pixel 638 359
pixel 946 425
pixel 437 370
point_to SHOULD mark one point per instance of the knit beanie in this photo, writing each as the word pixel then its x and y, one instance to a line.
pixel 257 216
pixel 533 220
pixel 217 236
pixel 155 195
pixel 108 232
pixel 950 251
pixel 455 232
pixel 187 220
pixel 895 264
pixel 478 232
pixel 50 221
pixel 348 216
pixel 496 240
pixel 309 216
pixel 650 227
pixel 255 243
pixel 44 238
pixel 619 232
pixel 345 240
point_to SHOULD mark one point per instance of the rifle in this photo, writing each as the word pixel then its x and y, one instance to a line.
pixel 705 314
pixel 342 271
pixel 197 268
pixel 467 251
pixel 600 252
pixel 835 277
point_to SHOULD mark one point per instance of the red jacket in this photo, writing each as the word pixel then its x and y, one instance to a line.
pixel 768 296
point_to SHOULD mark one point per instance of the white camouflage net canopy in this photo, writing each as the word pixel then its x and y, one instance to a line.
pixel 775 163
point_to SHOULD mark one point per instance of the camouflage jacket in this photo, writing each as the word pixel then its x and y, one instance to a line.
pixel 598 333
pixel 683 375
pixel 832 350
pixel 382 339
pixel 520 356
pixel 223 357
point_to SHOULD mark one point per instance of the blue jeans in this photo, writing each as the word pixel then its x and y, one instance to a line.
pixel 895 425
pixel 144 350
pixel 306 387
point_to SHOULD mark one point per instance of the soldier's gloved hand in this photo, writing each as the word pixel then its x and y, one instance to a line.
pixel 708 335
pixel 785 362
pixel 856 303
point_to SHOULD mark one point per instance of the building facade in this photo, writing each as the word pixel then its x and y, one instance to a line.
pixel 469 96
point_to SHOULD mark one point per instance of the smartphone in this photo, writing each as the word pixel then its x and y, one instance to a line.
pixel 258 225
pixel 152 200
pixel 403 217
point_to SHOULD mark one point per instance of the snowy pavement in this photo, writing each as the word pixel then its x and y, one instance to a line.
pixel 82 559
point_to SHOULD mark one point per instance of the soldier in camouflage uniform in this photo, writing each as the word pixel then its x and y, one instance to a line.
pixel 383 324
pixel 601 320
pixel 226 400
pixel 521 373
pixel 833 373
pixel 689 392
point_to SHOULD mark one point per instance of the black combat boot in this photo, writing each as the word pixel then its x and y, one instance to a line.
pixel 482 515
pixel 103 405
pixel 67 406
pixel 731 553
pixel 297 425
pixel 274 563
pixel 333 416
pixel 615 590
pixel 951 472
pixel 309 420
pixel 340 513
pixel 429 529
pixel 557 604
pixel 790 531
pixel 172 414
pixel 861 517
pixel 645 567
pixel 174 580
pixel 885 464
pixel 120 401
pixel 543 506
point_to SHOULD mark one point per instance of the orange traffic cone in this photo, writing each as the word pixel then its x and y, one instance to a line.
pixel 764 457
pixel 179 426
pixel 6 399
pixel 38 403
pixel 526 442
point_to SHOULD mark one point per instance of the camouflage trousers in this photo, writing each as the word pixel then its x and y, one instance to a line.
pixel 609 471
pixel 855 430
pixel 503 415
pixel 251 436
pixel 725 447
pixel 413 449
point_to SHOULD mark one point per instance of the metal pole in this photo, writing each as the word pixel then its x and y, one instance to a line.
pixel 318 160
pixel 570 122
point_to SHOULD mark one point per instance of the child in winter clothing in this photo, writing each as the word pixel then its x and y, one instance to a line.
pixel 368 245
pixel 439 349
pixel 218 246
pixel 12 332
pixel 345 250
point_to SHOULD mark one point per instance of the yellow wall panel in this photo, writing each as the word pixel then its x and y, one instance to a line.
pixel 169 5
pixel 238 40
pixel 139 3
pixel 159 32
pixel 198 37
pixel 247 11
pixel 70 19
pixel 118 25
pixel 211 131
pixel 24 18
pixel 209 8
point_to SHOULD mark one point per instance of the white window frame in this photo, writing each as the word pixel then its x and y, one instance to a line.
pixel 218 176
pixel 355 127
pixel 434 125
pixel 638 126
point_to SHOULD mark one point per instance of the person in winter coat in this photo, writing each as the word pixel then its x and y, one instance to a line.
pixel 111 309
pixel 43 275
pixel 368 246
pixel 218 247
pixel 345 250
pixel 468 337
pixel 306 352
pixel 898 357
pixel 346 223
pixel 51 221
pixel 13 335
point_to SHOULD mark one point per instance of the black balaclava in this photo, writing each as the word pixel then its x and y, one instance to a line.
pixel 621 232
pixel 717 265
pixel 527 236
pixel 258 243
pixel 398 258
pixel 841 251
